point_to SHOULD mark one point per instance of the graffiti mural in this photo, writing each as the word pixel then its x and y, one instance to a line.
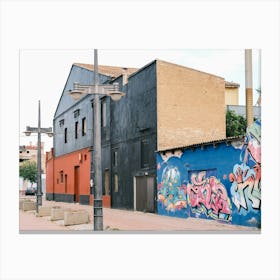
pixel 171 193
pixel 221 181
pixel 246 177
pixel 246 186
pixel 208 196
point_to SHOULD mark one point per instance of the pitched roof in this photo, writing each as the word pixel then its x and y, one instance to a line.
pixel 115 71
pixel 205 143
pixel 112 71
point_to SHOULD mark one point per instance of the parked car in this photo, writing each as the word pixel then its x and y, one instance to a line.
pixel 31 191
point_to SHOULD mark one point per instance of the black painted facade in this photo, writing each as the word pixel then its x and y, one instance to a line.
pixel 133 135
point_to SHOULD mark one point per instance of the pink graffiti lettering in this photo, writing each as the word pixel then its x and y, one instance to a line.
pixel 208 192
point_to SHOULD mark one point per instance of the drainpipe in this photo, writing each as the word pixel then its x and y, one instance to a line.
pixel 249 86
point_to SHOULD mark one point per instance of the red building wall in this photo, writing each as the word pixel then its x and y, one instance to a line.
pixel 66 165
pixel 60 177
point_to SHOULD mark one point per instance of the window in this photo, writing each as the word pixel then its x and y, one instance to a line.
pixel 76 113
pixel 144 153
pixel 61 175
pixel 115 158
pixel 116 183
pixel 65 135
pixel 103 113
pixel 61 123
pixel 76 130
pixel 84 127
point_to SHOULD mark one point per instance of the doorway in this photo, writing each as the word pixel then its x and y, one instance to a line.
pixel 77 184
pixel 65 182
pixel 106 182
pixel 144 194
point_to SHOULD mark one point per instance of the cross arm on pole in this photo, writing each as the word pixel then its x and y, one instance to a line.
pixel 111 90
pixel 30 130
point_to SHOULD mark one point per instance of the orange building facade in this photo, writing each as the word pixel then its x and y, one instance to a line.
pixel 69 178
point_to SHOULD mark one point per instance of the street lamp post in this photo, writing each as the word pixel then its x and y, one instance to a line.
pixel 95 172
pixel 38 130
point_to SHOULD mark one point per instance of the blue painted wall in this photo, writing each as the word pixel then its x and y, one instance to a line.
pixel 65 111
pixel 221 182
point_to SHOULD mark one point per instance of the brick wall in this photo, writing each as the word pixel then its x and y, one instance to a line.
pixel 190 106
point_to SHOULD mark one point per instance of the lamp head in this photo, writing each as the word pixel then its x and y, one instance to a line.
pixel 27 133
pixel 116 95
pixel 76 93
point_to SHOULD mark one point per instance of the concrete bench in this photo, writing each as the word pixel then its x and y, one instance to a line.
pixel 44 211
pixel 57 213
pixel 21 202
pixel 76 217
pixel 28 205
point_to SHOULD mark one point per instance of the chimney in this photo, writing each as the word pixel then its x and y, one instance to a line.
pixel 249 86
pixel 125 75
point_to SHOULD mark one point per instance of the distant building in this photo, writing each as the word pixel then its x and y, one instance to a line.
pixel 231 93
pixel 30 153
pixel 165 106
pixel 241 110
pixel 232 103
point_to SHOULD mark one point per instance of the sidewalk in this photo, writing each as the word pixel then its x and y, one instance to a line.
pixel 115 220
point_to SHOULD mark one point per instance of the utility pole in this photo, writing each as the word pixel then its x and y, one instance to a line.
pixel 97 206
pixel 249 86
pixel 95 170
pixel 39 130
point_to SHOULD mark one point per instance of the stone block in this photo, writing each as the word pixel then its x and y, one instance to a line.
pixel 28 205
pixel 75 217
pixel 44 211
pixel 21 202
pixel 57 213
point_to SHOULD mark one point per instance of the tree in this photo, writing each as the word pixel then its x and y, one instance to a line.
pixel 235 124
pixel 28 171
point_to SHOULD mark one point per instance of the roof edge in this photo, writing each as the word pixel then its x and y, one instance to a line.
pixel 189 68
pixel 228 139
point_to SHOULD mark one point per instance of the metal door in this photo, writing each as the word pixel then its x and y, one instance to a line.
pixel 144 193
pixel 150 194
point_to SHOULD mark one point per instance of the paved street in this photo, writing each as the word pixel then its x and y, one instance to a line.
pixel 123 221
